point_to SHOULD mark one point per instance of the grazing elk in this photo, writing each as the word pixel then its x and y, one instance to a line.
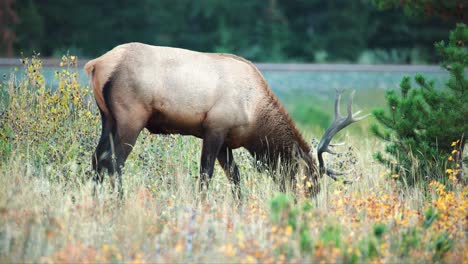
pixel 220 98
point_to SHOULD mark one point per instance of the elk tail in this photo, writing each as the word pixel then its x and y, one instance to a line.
pixel 98 88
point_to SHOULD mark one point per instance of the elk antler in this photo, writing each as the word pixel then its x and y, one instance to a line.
pixel 338 124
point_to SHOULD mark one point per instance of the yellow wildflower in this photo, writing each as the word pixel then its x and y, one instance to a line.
pixel 249 259
pixel 274 229
pixel 452 178
pixel 228 250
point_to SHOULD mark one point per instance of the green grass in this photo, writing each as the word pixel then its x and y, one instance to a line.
pixel 48 213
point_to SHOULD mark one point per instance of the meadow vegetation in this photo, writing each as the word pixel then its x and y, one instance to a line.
pixel 48 213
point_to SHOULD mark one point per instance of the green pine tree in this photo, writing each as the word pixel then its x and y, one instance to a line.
pixel 423 121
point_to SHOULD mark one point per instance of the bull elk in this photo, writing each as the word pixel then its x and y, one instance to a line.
pixel 220 98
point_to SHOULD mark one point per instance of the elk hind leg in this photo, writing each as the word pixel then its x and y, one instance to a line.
pixel 101 158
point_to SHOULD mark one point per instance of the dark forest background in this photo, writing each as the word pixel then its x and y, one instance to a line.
pixel 260 30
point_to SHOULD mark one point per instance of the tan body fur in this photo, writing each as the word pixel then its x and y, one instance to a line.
pixel 171 90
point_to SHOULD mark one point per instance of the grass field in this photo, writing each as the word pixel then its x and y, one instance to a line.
pixel 48 213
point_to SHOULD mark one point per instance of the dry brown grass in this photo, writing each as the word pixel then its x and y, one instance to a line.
pixel 48 212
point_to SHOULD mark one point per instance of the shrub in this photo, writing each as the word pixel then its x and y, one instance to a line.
pixel 36 114
pixel 422 122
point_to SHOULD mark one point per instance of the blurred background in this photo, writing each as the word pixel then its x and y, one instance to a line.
pixel 346 33
pixel 357 31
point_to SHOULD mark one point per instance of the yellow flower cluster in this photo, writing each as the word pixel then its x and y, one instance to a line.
pixel 375 207
pixel 454 170
pixel 452 207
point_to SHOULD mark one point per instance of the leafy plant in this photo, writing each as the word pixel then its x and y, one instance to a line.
pixel 35 115
pixel 410 239
pixel 331 235
pixel 442 246
pixel 422 121
pixel 282 211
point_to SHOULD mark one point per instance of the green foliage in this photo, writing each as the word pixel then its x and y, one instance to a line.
pixel 370 245
pixel 442 246
pixel 273 30
pixel 430 215
pixel 368 248
pixel 454 9
pixel 379 230
pixel 305 241
pixel 422 121
pixel 331 235
pixel 410 240
pixel 307 111
pixel 282 211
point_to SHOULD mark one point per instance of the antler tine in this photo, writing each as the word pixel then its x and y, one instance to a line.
pixel 336 144
pixel 350 105
pixel 338 124
pixel 332 174
pixel 337 104
pixel 354 117
pixel 329 150
pixel 357 113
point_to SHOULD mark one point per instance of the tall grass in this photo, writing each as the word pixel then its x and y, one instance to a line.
pixel 48 212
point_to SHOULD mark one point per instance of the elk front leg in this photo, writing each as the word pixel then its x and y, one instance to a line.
pixel 212 142
pixel 226 160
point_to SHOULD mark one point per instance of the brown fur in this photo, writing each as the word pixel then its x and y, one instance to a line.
pixel 277 139
pixel 224 100
pixel 276 136
pixel 100 70
pixel 275 105
pixel 97 88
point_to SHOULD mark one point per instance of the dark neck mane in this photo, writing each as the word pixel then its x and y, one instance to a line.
pixel 276 136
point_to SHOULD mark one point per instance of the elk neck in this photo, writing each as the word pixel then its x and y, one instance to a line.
pixel 276 138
